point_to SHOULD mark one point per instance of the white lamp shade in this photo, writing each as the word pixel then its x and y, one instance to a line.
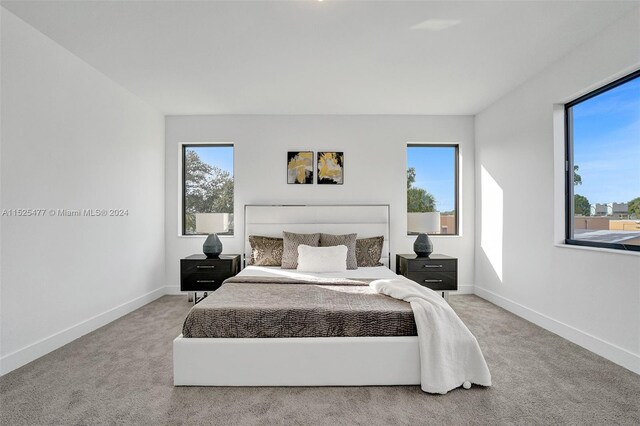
pixel 428 223
pixel 212 223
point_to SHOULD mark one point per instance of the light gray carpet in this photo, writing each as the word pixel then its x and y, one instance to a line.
pixel 122 374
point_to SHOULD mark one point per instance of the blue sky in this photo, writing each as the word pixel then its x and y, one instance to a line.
pixel 435 173
pixel 606 144
pixel 221 157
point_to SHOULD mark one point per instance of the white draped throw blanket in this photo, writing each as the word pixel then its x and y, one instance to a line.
pixel 449 353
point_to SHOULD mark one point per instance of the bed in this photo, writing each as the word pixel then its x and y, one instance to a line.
pixel 279 327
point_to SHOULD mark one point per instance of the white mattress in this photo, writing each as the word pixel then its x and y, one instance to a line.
pixel 275 271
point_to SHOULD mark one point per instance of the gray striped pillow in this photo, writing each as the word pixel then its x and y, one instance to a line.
pixel 349 240
pixel 291 241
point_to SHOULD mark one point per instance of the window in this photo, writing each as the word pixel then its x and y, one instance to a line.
pixel 603 166
pixel 432 189
pixel 207 189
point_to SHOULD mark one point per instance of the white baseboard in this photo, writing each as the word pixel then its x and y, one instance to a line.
pixel 42 347
pixel 601 347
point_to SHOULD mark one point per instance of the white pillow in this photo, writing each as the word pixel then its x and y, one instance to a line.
pixel 322 259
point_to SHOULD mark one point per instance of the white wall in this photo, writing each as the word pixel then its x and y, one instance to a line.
pixel 375 171
pixel 590 297
pixel 73 139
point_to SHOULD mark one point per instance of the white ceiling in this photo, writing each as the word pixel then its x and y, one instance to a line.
pixel 311 57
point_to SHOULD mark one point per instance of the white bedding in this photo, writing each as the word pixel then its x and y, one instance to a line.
pixel 449 353
pixel 374 272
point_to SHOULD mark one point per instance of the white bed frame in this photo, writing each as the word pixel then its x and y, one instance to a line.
pixel 305 361
pixel 309 361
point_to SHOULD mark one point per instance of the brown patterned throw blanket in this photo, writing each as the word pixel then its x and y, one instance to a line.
pixel 269 307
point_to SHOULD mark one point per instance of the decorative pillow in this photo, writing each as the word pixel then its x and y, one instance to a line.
pixel 322 259
pixel 291 242
pixel 369 251
pixel 265 251
pixel 349 240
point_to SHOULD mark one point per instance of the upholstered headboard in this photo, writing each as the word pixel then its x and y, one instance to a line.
pixel 367 220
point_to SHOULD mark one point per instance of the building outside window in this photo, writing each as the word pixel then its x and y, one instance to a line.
pixel 432 189
pixel 603 166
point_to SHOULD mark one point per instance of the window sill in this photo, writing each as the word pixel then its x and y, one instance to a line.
pixel 599 249
pixel 436 236
pixel 204 236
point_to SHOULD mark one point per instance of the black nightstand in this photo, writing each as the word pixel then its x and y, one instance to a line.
pixel 201 273
pixel 438 272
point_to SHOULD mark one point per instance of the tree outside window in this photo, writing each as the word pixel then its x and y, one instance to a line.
pixel 207 188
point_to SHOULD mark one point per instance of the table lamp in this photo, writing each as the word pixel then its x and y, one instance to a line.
pixel 212 223
pixel 424 223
